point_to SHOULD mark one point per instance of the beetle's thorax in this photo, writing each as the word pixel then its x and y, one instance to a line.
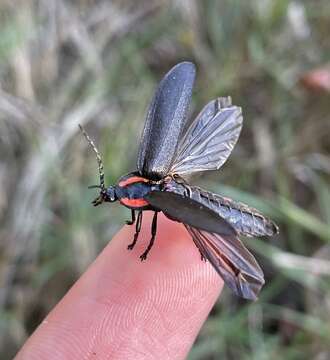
pixel 132 188
pixel 176 184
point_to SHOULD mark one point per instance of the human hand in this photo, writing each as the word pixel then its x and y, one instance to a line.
pixel 124 309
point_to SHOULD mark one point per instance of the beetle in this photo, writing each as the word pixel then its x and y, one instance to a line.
pixel 172 148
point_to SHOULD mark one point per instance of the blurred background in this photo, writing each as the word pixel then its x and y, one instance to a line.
pixel 97 63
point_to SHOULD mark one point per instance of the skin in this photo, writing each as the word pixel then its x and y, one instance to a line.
pixel 124 309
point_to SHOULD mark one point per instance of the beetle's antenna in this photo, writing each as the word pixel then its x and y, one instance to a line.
pixel 98 157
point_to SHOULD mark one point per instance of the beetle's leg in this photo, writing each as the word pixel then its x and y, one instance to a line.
pixel 131 222
pixel 202 256
pixel 153 234
pixel 137 230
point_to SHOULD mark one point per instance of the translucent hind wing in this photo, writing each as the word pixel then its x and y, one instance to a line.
pixel 210 138
pixel 232 261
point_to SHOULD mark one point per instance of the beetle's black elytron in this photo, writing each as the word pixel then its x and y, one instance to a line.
pixel 172 148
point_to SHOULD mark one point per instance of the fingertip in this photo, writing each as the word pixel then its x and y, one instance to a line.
pixel 122 307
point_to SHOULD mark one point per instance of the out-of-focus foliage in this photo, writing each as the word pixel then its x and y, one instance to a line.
pixel 97 63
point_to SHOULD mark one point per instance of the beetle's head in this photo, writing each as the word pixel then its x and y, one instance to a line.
pixel 106 194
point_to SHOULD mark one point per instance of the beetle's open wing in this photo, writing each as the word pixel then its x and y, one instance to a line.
pixel 210 138
pixel 183 209
pixel 232 261
pixel 165 120
pixel 216 240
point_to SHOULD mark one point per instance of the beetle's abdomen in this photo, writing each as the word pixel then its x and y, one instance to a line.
pixel 244 219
